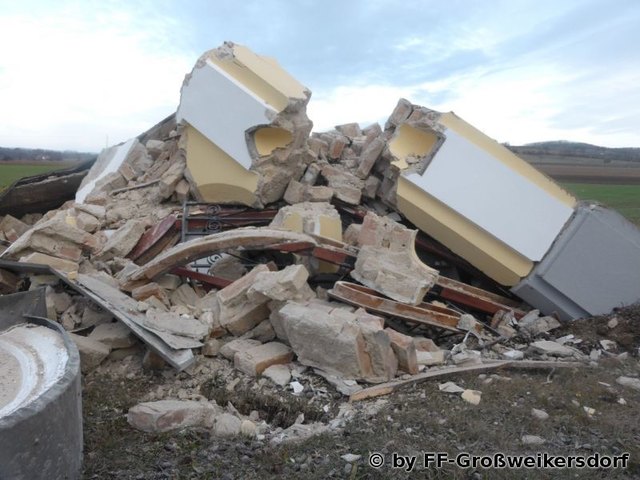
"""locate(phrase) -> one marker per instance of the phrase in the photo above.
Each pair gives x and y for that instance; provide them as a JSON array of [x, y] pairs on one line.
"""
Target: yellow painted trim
[[267, 139], [262, 75], [409, 141], [218, 177], [485, 252], [508, 158]]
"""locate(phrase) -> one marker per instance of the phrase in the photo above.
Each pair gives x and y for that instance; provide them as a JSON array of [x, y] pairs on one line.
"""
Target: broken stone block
[[211, 347], [371, 185], [255, 360], [513, 355], [351, 130], [235, 311], [12, 228], [539, 325], [92, 353], [286, 284], [170, 178], [143, 292], [155, 147], [183, 325], [380, 354], [61, 301], [405, 351], [168, 415], [369, 157], [184, 295], [71, 318], [278, 374], [263, 332], [297, 193], [96, 211], [227, 425], [336, 146], [236, 292], [400, 113], [229, 349], [122, 240], [312, 218], [425, 344], [467, 357], [539, 414], [629, 382], [429, 358], [57, 236], [87, 222], [228, 267], [387, 261], [467, 322], [346, 186], [339, 343], [60, 264], [182, 191], [554, 349], [472, 396], [115, 335]]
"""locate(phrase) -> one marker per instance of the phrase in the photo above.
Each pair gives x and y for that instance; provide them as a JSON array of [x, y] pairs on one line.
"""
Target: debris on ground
[[256, 257]]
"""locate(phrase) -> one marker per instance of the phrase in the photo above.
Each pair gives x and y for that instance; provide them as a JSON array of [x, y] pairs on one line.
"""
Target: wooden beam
[[390, 387]]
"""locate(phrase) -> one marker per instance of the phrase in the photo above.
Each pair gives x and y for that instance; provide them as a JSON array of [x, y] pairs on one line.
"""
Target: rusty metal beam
[[476, 297], [183, 253], [371, 301], [152, 236]]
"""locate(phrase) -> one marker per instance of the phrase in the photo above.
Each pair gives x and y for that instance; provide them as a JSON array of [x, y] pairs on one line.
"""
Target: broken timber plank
[[371, 301], [195, 249], [390, 387], [124, 309]]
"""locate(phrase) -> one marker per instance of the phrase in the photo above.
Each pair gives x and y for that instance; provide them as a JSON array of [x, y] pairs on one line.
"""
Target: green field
[[624, 198], [10, 172]]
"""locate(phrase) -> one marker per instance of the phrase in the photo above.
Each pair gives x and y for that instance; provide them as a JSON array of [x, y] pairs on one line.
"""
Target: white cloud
[[85, 76]]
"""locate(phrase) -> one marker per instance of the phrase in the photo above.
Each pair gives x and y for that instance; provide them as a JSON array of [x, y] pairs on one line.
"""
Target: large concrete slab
[[593, 266], [474, 195]]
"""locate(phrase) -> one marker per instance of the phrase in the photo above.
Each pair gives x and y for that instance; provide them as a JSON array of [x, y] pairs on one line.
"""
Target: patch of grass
[[10, 172], [624, 198]]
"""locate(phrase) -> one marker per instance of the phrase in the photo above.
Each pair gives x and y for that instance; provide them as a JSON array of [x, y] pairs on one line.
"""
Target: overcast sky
[[81, 74]]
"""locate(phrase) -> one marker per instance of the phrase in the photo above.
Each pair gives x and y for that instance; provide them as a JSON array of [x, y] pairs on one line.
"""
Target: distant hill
[[582, 163], [37, 155], [562, 151]]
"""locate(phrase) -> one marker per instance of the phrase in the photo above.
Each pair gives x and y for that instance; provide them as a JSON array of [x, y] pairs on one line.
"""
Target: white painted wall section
[[222, 110], [112, 166], [494, 197]]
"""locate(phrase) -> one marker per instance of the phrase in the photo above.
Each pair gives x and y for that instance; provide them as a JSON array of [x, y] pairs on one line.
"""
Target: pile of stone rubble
[[322, 252]]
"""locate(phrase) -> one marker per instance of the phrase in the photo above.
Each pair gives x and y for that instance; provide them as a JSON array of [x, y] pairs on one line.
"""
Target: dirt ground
[[411, 422]]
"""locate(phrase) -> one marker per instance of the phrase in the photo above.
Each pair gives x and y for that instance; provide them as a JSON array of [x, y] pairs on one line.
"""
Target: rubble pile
[[326, 254]]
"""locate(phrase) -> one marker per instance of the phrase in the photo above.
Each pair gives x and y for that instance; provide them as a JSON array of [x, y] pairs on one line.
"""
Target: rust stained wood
[[371, 301], [152, 236], [197, 248], [476, 297], [390, 387]]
